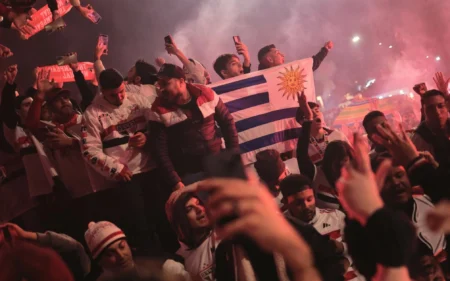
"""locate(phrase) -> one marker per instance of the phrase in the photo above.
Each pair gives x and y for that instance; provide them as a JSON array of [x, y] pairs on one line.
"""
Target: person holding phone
[[269, 56], [229, 65], [195, 71]]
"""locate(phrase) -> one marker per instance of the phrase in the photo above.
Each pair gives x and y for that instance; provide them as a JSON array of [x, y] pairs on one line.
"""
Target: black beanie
[[110, 79]]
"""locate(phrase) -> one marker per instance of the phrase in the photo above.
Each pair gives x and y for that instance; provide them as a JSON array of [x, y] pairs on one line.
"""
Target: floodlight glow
[[356, 39]]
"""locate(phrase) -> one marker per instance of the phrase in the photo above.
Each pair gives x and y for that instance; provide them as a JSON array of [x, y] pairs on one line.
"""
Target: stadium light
[[390, 47], [356, 39], [438, 58]]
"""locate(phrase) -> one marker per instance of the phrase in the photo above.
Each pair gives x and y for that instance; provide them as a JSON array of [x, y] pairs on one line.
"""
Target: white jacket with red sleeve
[[105, 133]]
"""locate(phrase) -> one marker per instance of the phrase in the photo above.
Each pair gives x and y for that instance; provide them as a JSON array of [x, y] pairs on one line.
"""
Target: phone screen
[[94, 17], [223, 165], [168, 39], [104, 39], [236, 39]]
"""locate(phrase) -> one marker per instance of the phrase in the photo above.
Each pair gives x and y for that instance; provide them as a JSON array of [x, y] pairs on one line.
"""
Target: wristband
[[414, 161]]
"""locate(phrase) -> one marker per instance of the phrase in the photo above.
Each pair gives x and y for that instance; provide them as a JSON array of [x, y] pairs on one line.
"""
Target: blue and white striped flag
[[264, 106]]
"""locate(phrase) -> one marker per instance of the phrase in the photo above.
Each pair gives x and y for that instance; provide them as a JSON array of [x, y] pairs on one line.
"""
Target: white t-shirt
[[199, 262], [332, 223]]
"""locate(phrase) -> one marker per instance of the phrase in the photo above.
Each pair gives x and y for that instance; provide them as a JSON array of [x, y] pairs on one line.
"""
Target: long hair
[[335, 152], [180, 222]]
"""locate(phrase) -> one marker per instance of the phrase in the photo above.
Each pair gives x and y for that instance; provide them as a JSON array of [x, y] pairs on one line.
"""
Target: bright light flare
[[356, 39], [390, 47], [438, 58]]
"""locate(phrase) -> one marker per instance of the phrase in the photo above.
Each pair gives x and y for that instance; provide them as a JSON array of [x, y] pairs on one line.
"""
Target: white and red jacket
[[79, 178], [332, 223], [435, 241], [106, 131]]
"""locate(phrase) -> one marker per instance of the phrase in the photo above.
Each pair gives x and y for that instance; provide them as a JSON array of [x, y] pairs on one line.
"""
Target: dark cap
[[51, 95], [18, 101], [264, 50], [269, 165], [110, 79], [168, 70]]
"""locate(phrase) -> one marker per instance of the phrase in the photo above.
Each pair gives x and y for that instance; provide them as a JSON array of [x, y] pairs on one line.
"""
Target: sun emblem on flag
[[292, 82]]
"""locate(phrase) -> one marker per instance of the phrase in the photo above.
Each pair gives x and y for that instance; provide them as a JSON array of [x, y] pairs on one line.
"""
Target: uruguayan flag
[[264, 105]]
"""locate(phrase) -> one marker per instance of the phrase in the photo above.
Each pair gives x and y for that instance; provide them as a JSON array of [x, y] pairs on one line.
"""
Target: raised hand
[[85, 11], [21, 21], [441, 82], [303, 103], [5, 52], [400, 147], [242, 50], [100, 50], [357, 187], [329, 45], [10, 74], [44, 84], [172, 49]]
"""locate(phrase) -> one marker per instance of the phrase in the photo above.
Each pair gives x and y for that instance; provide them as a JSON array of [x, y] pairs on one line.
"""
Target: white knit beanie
[[100, 235]]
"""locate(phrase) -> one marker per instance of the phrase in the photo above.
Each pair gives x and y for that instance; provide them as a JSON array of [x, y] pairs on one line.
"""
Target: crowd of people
[[115, 187]]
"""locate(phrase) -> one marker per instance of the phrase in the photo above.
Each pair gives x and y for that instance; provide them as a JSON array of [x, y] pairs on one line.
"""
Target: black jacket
[[181, 147]]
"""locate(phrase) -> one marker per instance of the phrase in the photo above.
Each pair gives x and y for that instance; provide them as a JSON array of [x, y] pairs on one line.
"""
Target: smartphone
[[223, 165], [104, 39], [168, 39], [93, 16], [420, 88], [66, 60], [236, 39]]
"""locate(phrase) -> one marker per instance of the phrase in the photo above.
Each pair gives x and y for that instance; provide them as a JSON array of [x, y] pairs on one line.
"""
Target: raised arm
[[305, 164], [321, 55], [98, 64], [43, 84], [87, 95]]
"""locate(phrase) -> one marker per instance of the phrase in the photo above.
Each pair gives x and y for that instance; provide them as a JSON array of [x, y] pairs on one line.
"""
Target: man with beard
[[397, 193], [188, 112], [299, 198], [434, 133], [140, 78]]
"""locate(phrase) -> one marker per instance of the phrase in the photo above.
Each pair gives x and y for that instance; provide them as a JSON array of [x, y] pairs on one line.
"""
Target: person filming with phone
[[194, 70], [229, 65]]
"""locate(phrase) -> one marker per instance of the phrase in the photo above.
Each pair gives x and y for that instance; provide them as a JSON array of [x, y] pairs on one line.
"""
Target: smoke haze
[[203, 29]]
